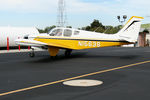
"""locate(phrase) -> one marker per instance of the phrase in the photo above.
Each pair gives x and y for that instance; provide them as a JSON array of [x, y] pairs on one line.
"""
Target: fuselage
[[79, 39]]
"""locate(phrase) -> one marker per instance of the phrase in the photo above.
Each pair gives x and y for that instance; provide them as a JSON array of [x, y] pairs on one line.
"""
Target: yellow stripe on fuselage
[[78, 43]]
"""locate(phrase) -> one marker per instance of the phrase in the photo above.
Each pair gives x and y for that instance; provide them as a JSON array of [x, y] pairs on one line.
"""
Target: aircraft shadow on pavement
[[61, 57], [75, 55]]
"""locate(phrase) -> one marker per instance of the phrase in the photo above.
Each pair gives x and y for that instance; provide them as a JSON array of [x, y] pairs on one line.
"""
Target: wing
[[26, 42], [34, 43]]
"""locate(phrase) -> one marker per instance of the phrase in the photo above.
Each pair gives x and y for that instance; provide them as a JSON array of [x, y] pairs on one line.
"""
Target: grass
[[146, 26]]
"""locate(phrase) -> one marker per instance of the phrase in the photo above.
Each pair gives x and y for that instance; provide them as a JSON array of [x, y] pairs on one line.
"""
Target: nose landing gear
[[32, 54]]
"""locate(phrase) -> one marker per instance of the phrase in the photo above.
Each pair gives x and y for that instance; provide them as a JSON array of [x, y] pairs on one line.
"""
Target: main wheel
[[53, 57], [68, 52]]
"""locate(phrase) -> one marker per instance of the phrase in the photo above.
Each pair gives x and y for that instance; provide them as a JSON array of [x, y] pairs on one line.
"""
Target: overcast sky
[[42, 13]]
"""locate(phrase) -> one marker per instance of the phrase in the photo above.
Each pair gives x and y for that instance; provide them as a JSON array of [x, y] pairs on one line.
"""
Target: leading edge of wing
[[26, 42]]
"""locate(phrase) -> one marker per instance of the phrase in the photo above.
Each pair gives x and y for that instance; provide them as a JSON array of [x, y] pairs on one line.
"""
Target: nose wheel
[[68, 53], [32, 54]]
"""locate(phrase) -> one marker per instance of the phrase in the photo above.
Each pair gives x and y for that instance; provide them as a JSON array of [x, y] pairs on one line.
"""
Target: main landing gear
[[52, 52], [68, 52], [32, 54]]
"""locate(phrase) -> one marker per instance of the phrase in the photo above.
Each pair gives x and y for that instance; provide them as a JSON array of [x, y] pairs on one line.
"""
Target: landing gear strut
[[32, 54], [68, 52]]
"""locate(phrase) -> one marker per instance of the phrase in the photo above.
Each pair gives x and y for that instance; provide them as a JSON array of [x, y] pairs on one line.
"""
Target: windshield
[[56, 32]]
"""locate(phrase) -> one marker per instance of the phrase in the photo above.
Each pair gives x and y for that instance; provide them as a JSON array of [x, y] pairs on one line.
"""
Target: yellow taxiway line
[[81, 76]]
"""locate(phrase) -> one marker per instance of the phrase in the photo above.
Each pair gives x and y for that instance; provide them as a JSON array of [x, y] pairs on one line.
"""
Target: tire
[[68, 53], [53, 57], [31, 54]]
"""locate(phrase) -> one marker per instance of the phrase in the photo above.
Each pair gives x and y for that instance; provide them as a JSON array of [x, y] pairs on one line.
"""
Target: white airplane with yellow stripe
[[74, 39]]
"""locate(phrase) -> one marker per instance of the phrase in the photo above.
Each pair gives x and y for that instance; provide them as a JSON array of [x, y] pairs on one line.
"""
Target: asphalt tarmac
[[125, 73]]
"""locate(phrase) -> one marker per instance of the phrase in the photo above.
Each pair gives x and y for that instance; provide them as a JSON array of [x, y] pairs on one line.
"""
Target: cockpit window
[[56, 32], [76, 32], [67, 33]]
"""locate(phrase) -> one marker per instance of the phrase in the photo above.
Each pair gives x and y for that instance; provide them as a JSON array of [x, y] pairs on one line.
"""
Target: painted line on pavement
[[77, 77]]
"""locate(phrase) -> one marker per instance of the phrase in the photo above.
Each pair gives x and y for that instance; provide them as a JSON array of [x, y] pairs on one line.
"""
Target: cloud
[[48, 6], [84, 7], [28, 6], [112, 7]]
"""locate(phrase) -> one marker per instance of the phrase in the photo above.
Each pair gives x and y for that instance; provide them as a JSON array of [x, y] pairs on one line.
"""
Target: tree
[[96, 23], [88, 28], [47, 29], [112, 30], [41, 31], [69, 26], [97, 26]]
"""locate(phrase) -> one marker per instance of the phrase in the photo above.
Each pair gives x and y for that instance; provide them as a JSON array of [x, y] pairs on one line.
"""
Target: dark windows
[[67, 32], [76, 32]]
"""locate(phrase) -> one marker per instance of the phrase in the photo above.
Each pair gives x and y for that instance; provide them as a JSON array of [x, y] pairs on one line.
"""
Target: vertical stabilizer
[[131, 29]]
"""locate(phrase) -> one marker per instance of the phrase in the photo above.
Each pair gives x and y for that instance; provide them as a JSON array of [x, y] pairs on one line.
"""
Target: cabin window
[[57, 32], [76, 32], [67, 33]]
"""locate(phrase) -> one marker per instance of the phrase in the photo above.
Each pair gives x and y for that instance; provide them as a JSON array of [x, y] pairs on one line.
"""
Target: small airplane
[[74, 39]]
